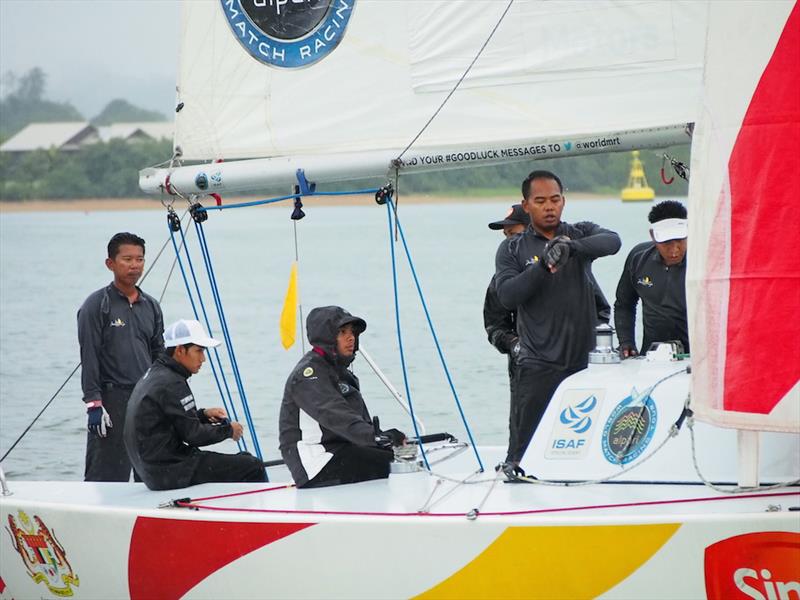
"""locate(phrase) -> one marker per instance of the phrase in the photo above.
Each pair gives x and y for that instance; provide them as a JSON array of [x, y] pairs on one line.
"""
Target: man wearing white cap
[[655, 273], [164, 427]]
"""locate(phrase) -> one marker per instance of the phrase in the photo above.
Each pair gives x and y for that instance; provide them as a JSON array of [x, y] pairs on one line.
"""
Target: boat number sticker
[[288, 33], [43, 556], [629, 428], [575, 425]]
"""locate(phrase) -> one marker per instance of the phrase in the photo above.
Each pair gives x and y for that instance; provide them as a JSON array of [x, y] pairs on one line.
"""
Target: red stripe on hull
[[168, 557]]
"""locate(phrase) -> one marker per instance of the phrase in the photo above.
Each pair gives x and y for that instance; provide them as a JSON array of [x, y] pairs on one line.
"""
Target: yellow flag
[[288, 323]]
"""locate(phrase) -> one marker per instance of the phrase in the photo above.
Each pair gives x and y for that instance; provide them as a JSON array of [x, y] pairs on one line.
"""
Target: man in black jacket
[[164, 427], [326, 434], [545, 274], [500, 322], [119, 332], [655, 272]]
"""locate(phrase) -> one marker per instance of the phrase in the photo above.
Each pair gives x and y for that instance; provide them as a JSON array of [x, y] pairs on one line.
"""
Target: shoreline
[[89, 205]]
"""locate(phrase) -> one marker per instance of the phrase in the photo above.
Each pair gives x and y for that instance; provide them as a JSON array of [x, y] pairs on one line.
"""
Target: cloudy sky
[[95, 50]]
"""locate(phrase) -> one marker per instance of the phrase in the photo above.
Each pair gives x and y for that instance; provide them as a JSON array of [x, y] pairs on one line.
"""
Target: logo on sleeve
[[344, 388], [188, 403], [308, 372]]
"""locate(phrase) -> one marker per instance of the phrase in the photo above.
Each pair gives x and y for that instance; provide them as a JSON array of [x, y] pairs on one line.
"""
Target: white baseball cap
[[188, 332], [670, 229]]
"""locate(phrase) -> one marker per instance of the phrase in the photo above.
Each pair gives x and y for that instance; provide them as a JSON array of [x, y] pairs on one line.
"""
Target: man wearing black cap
[[326, 434], [655, 272], [501, 323], [545, 274]]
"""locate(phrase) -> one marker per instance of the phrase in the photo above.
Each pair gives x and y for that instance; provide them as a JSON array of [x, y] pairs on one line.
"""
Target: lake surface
[[50, 262]]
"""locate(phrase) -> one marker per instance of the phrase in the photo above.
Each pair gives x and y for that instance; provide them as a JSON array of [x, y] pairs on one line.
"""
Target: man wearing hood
[[326, 434]]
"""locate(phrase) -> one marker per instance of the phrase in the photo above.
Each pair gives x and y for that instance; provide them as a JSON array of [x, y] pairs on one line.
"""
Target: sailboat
[[657, 477]]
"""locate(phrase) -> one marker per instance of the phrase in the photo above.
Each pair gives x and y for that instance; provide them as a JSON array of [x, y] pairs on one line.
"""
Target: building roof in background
[[74, 134], [64, 136], [133, 131]]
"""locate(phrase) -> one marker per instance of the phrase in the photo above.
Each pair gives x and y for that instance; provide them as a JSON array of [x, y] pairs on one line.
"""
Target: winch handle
[[433, 437]]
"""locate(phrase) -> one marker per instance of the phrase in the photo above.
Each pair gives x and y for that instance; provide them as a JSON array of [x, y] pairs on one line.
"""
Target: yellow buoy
[[637, 189]]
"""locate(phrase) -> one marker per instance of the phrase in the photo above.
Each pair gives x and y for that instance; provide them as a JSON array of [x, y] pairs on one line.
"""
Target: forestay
[[552, 70], [744, 252]]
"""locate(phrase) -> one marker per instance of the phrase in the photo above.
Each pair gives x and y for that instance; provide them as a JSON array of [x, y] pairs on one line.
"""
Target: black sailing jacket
[[322, 408], [163, 427]]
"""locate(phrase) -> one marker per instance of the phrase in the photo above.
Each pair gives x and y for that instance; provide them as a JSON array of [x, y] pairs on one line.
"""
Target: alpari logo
[[577, 417], [761, 566], [288, 33], [629, 428]]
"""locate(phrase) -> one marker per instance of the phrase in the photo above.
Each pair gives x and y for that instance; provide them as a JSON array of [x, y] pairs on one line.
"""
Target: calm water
[[49, 262]]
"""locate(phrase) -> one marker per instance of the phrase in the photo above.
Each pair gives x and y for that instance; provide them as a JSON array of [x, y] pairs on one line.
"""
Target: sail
[[368, 74], [743, 279]]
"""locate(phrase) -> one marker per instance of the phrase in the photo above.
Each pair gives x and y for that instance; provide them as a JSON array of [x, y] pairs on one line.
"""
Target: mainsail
[[744, 247], [555, 79]]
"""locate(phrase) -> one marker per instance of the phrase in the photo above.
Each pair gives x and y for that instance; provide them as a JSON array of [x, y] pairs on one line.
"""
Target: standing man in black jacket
[[165, 428], [501, 323], [655, 272], [545, 274], [119, 332], [326, 434]]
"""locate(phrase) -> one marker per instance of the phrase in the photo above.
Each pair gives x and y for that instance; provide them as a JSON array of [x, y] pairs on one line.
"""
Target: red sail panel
[[763, 330]]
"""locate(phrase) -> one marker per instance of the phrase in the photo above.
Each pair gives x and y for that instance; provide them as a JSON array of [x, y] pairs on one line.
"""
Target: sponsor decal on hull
[[43, 556], [761, 566], [573, 430], [629, 428]]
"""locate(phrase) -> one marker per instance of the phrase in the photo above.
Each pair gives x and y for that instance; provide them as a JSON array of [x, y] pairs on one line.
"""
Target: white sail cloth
[[743, 280], [552, 69]]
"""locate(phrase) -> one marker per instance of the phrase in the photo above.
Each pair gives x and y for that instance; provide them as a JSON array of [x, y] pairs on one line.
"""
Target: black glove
[[384, 442], [99, 421], [396, 436], [627, 350], [556, 252]]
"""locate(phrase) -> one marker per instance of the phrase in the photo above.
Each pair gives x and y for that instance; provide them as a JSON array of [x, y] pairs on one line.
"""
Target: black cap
[[515, 216]]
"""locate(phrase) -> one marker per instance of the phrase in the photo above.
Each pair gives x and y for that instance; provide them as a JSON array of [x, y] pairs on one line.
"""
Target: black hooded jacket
[[322, 409], [163, 427]]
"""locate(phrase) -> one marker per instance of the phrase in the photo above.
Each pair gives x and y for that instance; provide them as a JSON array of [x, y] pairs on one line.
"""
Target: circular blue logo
[[288, 33], [629, 428], [201, 181]]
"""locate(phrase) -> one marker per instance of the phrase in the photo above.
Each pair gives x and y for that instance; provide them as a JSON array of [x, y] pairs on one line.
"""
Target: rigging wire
[[69, 377], [398, 160], [390, 207], [226, 333], [229, 405]]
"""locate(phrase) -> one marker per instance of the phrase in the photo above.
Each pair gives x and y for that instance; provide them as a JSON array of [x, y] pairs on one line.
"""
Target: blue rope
[[229, 406], [226, 333], [196, 316], [282, 198], [390, 204], [400, 338]]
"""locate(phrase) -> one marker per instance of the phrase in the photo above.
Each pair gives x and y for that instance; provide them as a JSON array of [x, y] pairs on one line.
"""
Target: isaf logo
[[43, 556], [645, 281], [573, 429], [288, 33]]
